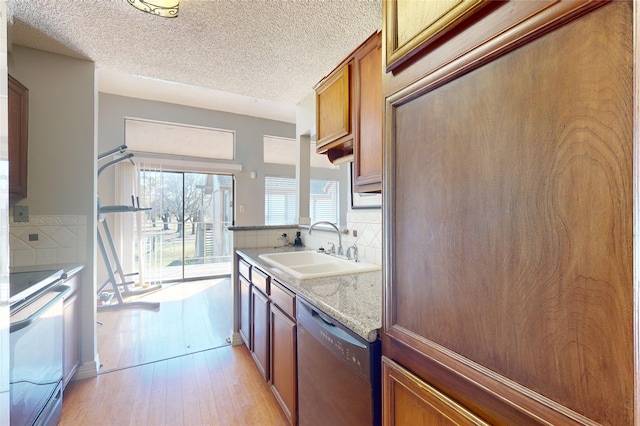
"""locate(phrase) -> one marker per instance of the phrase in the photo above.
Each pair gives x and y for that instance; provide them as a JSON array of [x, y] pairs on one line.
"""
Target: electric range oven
[[36, 348]]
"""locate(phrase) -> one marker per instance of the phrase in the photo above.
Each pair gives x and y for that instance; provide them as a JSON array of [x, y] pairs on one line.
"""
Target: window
[[183, 232], [280, 201], [179, 139], [323, 198], [284, 151]]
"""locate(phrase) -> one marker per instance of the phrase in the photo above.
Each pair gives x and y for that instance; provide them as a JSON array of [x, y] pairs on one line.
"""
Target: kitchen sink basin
[[310, 264]]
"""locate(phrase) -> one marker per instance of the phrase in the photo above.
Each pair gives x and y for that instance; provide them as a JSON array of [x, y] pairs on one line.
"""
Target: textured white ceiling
[[262, 55]]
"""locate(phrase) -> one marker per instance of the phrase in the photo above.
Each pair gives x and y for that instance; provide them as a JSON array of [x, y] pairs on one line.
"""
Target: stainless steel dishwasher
[[338, 372]]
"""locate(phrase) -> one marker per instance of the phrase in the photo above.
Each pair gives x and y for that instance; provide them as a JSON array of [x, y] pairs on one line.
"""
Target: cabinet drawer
[[261, 280], [244, 268], [285, 299]]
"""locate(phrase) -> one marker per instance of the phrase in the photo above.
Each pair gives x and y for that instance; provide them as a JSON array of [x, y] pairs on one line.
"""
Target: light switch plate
[[21, 213]]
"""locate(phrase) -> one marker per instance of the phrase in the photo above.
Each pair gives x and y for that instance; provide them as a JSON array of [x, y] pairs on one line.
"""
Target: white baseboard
[[88, 370], [236, 340]]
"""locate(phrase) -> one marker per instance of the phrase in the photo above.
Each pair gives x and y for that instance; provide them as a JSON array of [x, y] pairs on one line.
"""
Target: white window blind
[[323, 198], [280, 201]]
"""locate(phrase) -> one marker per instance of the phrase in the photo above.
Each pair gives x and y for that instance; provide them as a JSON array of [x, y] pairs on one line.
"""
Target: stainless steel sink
[[309, 264]]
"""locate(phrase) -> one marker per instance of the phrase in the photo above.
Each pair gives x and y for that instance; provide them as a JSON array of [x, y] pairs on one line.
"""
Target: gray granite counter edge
[[260, 227], [367, 328], [70, 269]]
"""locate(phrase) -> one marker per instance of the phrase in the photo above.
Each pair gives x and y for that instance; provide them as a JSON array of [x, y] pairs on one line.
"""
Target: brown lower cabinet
[[284, 380], [260, 327], [410, 401], [268, 328], [245, 312]]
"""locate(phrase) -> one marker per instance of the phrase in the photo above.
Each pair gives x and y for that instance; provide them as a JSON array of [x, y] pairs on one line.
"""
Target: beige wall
[[61, 157]]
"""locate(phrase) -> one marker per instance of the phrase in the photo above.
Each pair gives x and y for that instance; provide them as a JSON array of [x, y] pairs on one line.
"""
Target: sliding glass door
[[183, 233]]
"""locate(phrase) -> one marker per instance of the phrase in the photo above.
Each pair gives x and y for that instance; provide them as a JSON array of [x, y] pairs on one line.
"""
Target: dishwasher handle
[[328, 325]]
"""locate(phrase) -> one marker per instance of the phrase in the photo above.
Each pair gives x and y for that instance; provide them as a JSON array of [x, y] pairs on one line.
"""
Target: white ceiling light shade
[[164, 8]]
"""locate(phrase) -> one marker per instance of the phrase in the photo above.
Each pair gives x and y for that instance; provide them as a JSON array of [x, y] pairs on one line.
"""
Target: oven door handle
[[19, 325]]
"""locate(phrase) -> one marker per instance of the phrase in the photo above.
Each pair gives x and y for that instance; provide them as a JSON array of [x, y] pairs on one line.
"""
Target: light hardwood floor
[[175, 377], [215, 387], [193, 316]]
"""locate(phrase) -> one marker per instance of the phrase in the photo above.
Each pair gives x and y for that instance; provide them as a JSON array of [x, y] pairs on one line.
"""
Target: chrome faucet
[[324, 222], [353, 249], [332, 250]]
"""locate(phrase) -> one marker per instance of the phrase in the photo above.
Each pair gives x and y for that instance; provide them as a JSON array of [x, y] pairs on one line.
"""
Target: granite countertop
[[355, 300]]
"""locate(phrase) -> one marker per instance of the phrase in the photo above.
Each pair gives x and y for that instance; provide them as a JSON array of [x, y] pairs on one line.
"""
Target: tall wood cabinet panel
[[18, 104], [367, 146], [509, 257]]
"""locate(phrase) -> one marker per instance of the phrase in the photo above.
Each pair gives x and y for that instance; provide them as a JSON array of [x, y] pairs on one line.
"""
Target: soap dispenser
[[298, 241]]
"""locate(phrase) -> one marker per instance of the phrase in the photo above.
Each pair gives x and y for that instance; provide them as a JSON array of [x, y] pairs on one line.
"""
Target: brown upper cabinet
[[333, 110], [349, 114], [18, 127], [410, 26]]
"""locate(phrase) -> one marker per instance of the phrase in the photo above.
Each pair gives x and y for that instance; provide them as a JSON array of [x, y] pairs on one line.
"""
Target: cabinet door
[[18, 125], [412, 25], [284, 383], [333, 108], [245, 311], [407, 400], [71, 336], [367, 146], [260, 331], [502, 237], [244, 268]]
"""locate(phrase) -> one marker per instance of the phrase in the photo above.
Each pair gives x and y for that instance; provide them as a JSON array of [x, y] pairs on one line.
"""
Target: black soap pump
[[298, 240]]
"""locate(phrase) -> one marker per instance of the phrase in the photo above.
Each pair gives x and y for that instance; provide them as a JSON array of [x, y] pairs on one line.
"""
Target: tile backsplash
[[45, 240], [272, 237], [365, 231], [366, 224]]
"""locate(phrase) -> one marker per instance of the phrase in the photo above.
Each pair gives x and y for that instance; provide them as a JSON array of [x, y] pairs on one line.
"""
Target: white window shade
[[319, 160], [279, 150], [177, 139], [283, 151]]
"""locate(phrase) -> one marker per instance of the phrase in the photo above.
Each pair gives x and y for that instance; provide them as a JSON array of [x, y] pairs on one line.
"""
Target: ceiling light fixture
[[164, 8]]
